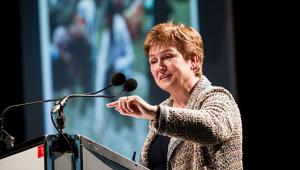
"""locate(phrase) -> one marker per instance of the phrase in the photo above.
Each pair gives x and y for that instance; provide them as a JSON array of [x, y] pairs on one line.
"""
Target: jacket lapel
[[202, 84], [144, 159]]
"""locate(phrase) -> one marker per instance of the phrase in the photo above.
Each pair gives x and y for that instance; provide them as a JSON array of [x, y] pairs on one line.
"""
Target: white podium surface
[[51, 152], [31, 159]]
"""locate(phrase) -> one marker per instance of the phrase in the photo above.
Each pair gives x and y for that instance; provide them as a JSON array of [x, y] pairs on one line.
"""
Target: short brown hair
[[186, 39]]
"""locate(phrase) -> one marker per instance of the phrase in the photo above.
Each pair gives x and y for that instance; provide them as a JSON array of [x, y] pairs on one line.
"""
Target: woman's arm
[[210, 121]]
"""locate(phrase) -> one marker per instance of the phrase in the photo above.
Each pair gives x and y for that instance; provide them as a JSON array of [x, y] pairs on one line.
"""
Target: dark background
[[259, 81]]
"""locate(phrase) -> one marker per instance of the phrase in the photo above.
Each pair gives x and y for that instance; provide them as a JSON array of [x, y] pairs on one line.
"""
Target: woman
[[199, 126]]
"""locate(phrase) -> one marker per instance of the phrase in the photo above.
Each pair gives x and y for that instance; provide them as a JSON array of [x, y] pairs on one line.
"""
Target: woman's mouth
[[164, 76]]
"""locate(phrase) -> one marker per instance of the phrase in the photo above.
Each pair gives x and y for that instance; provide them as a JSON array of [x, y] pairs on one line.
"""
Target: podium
[[52, 152]]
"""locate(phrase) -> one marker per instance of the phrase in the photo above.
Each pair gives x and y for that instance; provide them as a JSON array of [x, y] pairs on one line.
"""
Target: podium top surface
[[81, 142], [23, 146], [109, 154]]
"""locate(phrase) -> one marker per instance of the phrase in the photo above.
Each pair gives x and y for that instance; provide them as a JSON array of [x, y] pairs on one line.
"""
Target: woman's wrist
[[157, 113]]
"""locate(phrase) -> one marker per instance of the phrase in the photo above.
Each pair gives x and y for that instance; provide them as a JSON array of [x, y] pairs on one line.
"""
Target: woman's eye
[[153, 61], [168, 56]]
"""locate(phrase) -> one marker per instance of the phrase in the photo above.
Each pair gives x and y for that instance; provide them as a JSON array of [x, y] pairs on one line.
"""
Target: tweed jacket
[[206, 134]]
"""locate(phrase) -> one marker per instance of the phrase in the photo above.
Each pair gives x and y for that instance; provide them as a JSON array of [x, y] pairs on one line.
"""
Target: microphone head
[[118, 79], [130, 85]]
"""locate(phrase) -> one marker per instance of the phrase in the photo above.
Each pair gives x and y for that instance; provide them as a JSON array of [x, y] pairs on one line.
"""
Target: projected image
[[89, 42]]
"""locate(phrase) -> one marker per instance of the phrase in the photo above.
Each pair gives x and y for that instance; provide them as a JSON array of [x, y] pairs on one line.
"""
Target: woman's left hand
[[134, 106]]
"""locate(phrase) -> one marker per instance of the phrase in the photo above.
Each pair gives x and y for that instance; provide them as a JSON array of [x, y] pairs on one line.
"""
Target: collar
[[200, 86]]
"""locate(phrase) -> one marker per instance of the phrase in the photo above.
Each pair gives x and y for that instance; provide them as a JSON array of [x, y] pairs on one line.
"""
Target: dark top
[[158, 153]]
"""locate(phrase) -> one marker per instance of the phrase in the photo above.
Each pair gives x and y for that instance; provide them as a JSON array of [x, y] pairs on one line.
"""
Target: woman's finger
[[124, 104], [121, 105], [122, 112], [130, 104], [112, 104]]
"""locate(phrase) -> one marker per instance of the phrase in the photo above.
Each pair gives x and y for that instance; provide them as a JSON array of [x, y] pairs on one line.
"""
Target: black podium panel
[[52, 152]]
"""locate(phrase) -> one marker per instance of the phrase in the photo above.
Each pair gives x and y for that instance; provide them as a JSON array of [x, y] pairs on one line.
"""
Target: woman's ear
[[194, 61]]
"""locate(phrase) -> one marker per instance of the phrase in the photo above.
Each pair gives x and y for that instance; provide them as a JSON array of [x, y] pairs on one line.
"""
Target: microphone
[[118, 79], [128, 86]]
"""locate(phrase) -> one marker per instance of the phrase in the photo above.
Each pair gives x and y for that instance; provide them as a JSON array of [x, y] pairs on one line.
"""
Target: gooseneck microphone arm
[[93, 93], [118, 79], [60, 104], [128, 86], [6, 140], [52, 100], [22, 104]]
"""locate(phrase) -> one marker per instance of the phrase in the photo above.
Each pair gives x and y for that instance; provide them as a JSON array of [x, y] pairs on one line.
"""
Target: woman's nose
[[162, 66]]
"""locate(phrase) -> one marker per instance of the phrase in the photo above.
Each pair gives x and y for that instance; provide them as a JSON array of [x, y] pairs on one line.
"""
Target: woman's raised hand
[[134, 106]]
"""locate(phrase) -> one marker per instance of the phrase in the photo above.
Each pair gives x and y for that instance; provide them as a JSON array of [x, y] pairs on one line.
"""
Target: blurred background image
[[84, 43]]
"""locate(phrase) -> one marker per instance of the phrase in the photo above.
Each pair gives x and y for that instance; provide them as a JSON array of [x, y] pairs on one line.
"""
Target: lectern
[[52, 152]]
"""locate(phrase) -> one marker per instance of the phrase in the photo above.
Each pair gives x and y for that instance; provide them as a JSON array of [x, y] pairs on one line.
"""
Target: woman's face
[[169, 69]]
